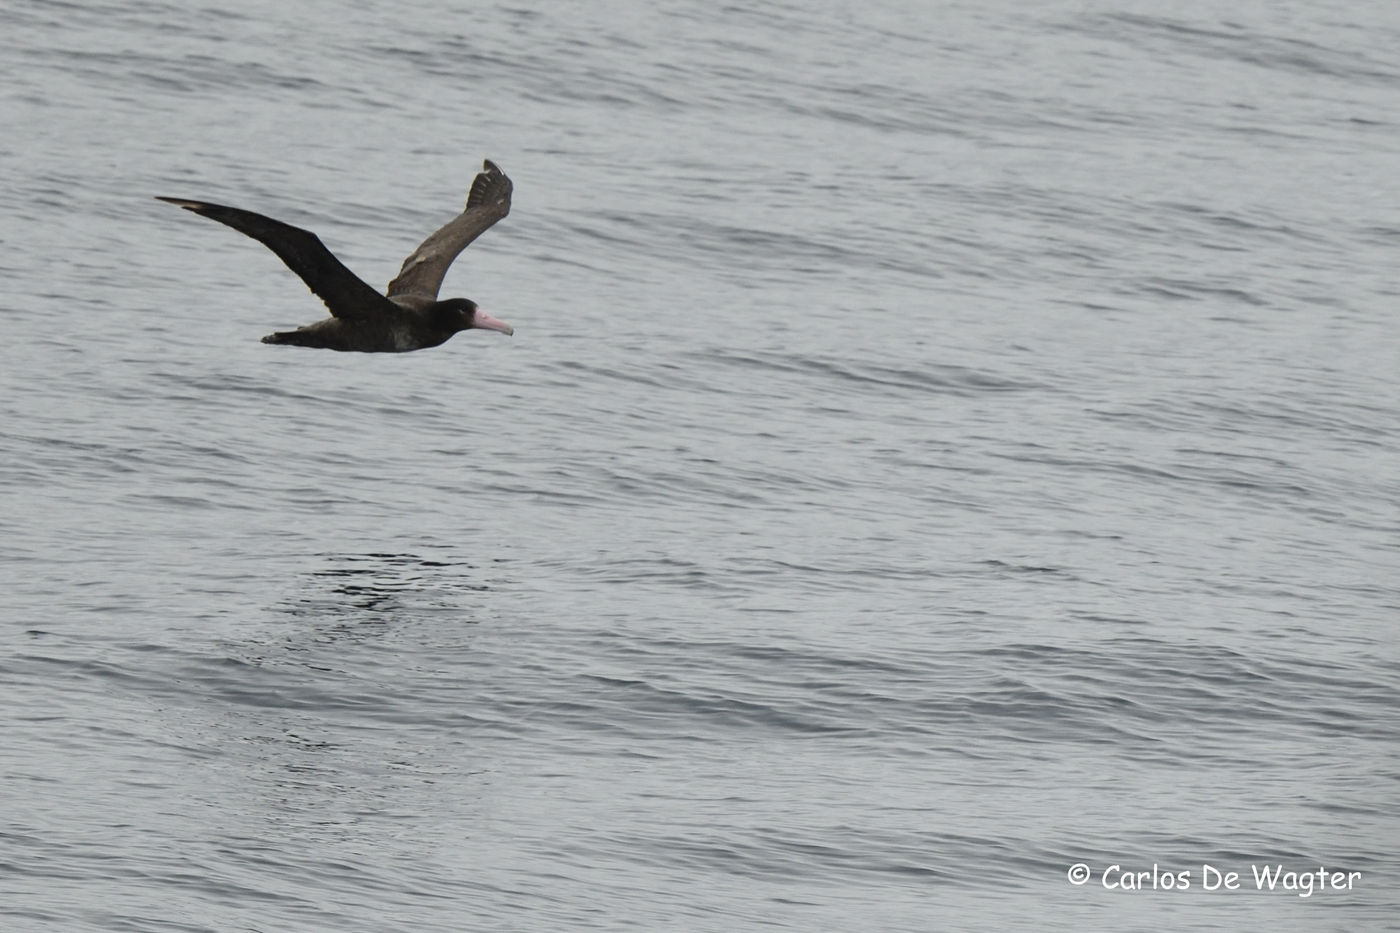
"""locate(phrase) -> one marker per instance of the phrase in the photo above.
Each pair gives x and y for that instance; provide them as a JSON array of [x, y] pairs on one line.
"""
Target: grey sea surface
[[942, 445]]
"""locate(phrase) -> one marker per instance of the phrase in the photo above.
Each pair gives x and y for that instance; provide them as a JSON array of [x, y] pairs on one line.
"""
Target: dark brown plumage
[[409, 315]]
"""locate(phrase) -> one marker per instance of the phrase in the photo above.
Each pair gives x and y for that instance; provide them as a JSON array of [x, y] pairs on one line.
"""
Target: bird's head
[[462, 313]]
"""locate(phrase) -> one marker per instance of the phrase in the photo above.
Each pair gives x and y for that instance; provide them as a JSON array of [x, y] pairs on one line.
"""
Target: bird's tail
[[296, 338]]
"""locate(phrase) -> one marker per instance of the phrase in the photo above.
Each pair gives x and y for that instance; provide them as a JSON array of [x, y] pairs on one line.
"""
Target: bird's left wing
[[345, 293]]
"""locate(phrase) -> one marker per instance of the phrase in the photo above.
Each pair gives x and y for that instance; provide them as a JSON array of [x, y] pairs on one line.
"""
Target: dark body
[[409, 316]]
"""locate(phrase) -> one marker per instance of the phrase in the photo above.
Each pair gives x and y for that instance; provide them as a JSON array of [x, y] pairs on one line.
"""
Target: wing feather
[[345, 294], [487, 202]]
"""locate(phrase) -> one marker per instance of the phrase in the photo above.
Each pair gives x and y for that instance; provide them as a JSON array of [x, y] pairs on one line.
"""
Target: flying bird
[[409, 315]]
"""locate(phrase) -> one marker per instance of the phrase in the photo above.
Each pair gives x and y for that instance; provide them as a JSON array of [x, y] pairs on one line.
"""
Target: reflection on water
[[386, 583]]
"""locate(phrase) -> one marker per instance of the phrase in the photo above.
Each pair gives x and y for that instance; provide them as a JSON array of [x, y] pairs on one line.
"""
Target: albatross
[[408, 316]]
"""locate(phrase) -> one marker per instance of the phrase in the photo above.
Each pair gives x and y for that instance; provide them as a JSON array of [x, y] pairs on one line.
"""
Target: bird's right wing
[[345, 294], [488, 202]]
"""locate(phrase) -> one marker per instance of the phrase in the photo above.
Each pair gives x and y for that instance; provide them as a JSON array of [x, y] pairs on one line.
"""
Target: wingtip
[[491, 186]]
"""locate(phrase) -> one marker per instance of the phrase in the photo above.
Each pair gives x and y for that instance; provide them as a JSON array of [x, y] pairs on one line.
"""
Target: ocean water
[[941, 445]]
